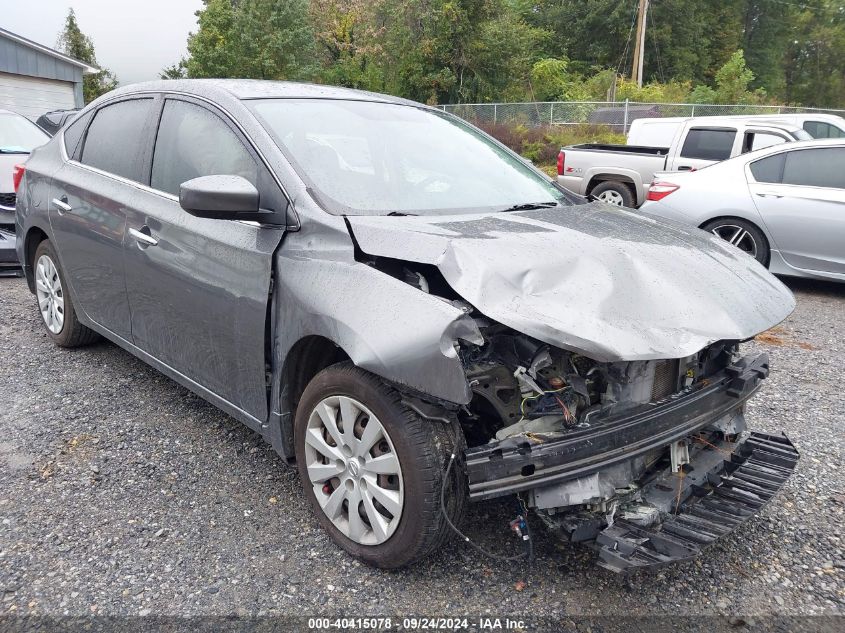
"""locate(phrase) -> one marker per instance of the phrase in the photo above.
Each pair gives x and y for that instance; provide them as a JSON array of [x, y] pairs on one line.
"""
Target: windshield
[[365, 158], [19, 135]]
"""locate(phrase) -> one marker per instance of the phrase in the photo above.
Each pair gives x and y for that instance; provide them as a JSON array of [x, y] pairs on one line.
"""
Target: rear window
[[73, 136], [708, 143], [116, 138], [819, 129], [769, 169], [815, 168]]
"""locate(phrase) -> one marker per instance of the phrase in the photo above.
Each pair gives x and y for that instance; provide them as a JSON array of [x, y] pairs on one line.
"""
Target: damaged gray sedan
[[412, 314]]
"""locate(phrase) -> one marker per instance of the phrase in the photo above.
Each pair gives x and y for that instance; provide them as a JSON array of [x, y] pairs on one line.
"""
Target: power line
[[656, 47], [628, 41]]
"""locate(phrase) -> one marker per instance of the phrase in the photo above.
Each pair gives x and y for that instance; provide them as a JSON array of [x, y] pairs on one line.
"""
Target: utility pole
[[639, 46]]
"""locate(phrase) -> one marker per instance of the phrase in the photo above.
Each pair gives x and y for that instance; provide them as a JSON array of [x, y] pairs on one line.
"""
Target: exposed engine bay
[[649, 460], [647, 456], [538, 391]]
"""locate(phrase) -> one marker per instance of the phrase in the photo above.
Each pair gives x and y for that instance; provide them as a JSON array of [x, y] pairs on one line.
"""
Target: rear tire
[[332, 474], [54, 303], [615, 193], [742, 234]]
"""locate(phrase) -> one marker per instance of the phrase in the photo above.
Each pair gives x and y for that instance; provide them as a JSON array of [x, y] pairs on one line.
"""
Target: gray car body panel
[[594, 279], [590, 278], [383, 324]]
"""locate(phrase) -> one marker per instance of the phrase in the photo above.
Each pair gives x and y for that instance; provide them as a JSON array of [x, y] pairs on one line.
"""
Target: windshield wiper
[[3, 150], [531, 206], [400, 213]]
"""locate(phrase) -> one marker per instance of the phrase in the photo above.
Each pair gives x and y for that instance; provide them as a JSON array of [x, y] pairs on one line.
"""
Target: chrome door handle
[[62, 206], [142, 238], [764, 194]]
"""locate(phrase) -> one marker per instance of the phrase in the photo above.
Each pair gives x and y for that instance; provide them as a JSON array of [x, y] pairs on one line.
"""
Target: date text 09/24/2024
[[416, 624]]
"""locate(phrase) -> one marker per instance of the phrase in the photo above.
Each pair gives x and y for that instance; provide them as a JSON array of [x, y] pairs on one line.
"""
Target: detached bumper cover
[[755, 472], [516, 464]]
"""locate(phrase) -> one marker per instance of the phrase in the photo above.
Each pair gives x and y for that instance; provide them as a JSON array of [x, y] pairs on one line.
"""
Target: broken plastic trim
[[755, 472], [516, 464]]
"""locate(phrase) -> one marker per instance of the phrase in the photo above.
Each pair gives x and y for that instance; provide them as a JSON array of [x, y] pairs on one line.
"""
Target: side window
[[708, 143], [193, 142], [759, 140], [73, 136], [116, 137], [819, 129], [815, 168], [769, 169]]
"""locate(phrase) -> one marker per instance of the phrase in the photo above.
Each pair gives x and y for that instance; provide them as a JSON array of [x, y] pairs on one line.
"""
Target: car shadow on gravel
[[832, 289]]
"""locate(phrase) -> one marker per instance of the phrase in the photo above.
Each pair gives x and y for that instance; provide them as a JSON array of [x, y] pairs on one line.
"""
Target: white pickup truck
[[621, 174]]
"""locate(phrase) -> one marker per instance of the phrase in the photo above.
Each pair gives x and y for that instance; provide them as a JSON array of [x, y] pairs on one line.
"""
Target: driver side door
[[199, 288]]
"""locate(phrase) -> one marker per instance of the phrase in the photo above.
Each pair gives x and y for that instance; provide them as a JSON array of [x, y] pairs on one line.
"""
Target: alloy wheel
[[738, 236], [354, 470], [50, 295]]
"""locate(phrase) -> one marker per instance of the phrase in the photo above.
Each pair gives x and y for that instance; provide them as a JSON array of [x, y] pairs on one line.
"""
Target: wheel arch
[[628, 180], [305, 359], [34, 236]]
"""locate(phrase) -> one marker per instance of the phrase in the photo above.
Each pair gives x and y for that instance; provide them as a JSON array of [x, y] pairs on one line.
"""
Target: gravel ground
[[122, 493]]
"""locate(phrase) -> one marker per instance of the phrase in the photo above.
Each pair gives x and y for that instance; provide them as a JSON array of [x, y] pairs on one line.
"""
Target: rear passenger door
[[92, 194], [199, 288], [800, 195]]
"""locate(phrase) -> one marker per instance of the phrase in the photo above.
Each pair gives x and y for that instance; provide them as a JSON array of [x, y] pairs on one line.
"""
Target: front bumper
[[726, 495], [518, 464]]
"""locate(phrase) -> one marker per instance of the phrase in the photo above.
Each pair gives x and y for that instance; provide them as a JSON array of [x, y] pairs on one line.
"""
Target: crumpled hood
[[595, 279]]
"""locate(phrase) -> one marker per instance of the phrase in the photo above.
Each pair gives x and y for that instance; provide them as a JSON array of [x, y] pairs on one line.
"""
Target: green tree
[[263, 39], [815, 59], [74, 43], [733, 80], [212, 49], [174, 71], [348, 43], [768, 26], [274, 39], [440, 51]]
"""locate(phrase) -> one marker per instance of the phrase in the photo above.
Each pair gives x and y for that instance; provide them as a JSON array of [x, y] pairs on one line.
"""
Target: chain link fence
[[618, 115]]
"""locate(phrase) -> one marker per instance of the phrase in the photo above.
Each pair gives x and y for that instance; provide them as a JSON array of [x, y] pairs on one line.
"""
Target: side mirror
[[220, 198]]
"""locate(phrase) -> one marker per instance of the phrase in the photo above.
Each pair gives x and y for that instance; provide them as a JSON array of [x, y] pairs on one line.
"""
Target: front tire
[[54, 303], [372, 468]]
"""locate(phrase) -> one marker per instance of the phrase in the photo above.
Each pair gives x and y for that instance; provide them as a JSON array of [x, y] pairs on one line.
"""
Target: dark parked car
[[51, 122], [411, 313]]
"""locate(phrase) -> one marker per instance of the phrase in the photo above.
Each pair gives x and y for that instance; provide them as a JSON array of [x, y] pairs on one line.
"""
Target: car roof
[[731, 120], [722, 121], [780, 147], [257, 89]]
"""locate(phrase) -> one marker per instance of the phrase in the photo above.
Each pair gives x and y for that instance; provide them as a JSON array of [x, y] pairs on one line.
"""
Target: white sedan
[[783, 205]]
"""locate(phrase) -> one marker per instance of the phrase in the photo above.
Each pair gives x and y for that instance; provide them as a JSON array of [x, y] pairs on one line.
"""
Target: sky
[[134, 39]]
